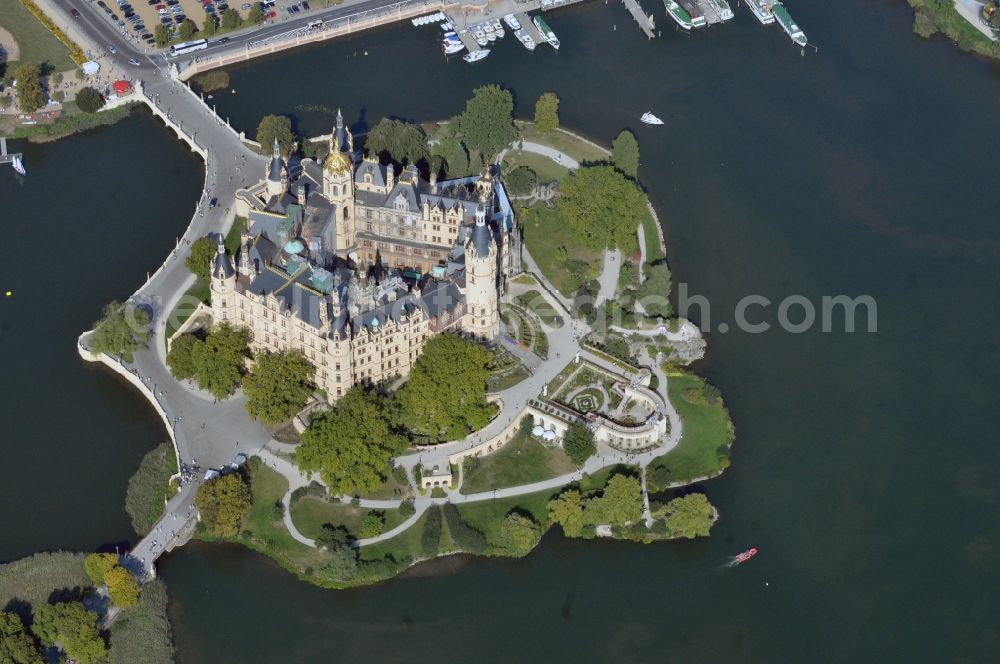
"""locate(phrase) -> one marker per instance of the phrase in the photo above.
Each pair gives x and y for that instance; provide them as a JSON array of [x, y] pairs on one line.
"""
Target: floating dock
[[6, 158], [645, 21]]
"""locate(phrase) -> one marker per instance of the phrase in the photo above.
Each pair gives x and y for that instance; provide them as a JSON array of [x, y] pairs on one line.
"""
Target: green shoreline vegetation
[[933, 16], [149, 488]]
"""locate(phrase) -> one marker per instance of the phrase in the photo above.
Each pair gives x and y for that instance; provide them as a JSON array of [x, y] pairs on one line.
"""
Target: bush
[[148, 489], [406, 509], [430, 538], [373, 524], [521, 181], [465, 536]]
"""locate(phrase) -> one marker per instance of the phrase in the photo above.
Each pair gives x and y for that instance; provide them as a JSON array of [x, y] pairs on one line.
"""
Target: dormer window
[[368, 178]]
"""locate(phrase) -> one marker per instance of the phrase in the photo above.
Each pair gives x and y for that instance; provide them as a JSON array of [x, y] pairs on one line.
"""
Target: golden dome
[[336, 163]]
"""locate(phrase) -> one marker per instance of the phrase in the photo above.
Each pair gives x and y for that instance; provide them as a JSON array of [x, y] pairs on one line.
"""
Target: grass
[[559, 256], [654, 251], [71, 123], [521, 461], [487, 515], [407, 543], [534, 301], [507, 378], [310, 514], [545, 168], [148, 488], [200, 291], [708, 431], [580, 150], [35, 42], [395, 487], [141, 634]]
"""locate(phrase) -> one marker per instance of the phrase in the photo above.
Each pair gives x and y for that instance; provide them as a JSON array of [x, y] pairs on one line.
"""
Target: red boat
[[745, 556]]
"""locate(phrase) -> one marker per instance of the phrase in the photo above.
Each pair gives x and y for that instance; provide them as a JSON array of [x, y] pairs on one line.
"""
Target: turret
[[482, 317], [223, 284], [275, 172]]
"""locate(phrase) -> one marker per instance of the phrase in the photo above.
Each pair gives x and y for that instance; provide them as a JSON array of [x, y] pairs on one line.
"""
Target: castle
[[357, 268]]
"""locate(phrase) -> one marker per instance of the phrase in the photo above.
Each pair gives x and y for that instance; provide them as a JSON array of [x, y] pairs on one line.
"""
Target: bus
[[188, 47]]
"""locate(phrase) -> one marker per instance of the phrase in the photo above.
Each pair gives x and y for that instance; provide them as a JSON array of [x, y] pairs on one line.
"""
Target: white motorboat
[[651, 119], [480, 37], [498, 28], [512, 22], [450, 48], [475, 56], [490, 34], [525, 40]]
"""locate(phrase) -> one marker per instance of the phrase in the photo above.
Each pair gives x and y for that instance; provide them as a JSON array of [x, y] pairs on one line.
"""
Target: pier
[[5, 157], [645, 21]]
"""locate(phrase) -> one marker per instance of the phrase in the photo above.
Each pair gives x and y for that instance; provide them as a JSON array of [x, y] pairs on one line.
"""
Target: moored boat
[[678, 13], [480, 37], [475, 56], [512, 22], [762, 10], [788, 24], [525, 40], [546, 32], [18, 165], [490, 34], [498, 28]]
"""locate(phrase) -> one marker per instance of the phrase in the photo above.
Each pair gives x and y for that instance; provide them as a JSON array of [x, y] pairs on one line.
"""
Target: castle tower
[[274, 181], [485, 186], [482, 315], [338, 184], [223, 285]]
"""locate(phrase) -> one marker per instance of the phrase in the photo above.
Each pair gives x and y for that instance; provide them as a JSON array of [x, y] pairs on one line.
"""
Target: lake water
[[864, 467]]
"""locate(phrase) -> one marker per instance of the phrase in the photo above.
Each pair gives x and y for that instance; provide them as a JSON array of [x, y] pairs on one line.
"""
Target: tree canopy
[[351, 444], [445, 395], [689, 516], [216, 363], [256, 14], [97, 565], [230, 19], [223, 503], [521, 181], [625, 153], [186, 29], [567, 510], [601, 208], [122, 587], [208, 25], [89, 100], [121, 328], [277, 386], [161, 34], [16, 644], [30, 95], [654, 293], [518, 534], [73, 627], [275, 126], [578, 443], [547, 112], [622, 501], [402, 142], [487, 123], [199, 261], [454, 155]]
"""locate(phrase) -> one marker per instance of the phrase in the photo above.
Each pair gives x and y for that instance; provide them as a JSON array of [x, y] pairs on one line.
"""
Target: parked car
[[134, 62], [245, 6], [100, 3], [75, 13], [112, 50], [304, 5]]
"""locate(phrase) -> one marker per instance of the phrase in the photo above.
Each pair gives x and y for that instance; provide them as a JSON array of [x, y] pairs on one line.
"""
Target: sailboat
[[18, 166], [651, 119]]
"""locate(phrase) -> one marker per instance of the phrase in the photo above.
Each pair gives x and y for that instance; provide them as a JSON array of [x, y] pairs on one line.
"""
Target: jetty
[[5, 157], [645, 21]]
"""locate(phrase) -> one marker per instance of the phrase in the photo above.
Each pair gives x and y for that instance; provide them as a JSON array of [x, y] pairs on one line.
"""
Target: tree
[[518, 534], [430, 537], [521, 181], [120, 330], [567, 510], [278, 385], [97, 565], [372, 524], [230, 19], [689, 516], [455, 156], [351, 444], [601, 208], [654, 293], [275, 126], [621, 502], [186, 29], [162, 34], [547, 112], [223, 502], [75, 629], [401, 142], [256, 14], [218, 361], [199, 260], [208, 25], [89, 100], [625, 153], [487, 124], [122, 587], [16, 644], [578, 443], [445, 396], [181, 358], [30, 95], [333, 537]]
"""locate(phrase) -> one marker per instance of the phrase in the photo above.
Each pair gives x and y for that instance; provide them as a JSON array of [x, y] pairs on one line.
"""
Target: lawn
[[582, 151], [653, 250], [487, 515], [534, 301], [199, 291], [310, 513], [559, 256], [36, 43], [521, 461], [703, 448], [507, 378], [407, 543], [545, 168], [395, 487]]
